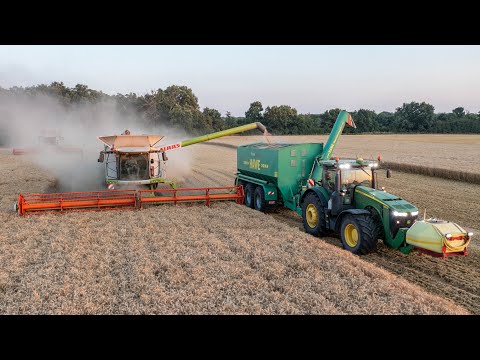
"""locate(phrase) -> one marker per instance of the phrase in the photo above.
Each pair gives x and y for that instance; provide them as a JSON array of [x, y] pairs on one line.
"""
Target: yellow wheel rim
[[351, 235], [311, 215]]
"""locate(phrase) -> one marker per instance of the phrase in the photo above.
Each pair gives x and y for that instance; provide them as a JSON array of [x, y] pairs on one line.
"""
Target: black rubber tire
[[320, 228], [379, 231], [259, 199], [249, 195], [365, 226]]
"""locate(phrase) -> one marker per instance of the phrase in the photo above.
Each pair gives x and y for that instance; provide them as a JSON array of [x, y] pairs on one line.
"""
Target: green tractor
[[331, 195], [346, 200]]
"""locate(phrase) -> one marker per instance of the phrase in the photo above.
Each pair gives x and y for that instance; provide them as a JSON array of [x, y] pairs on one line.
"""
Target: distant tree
[[385, 121], [254, 112], [365, 120], [459, 112], [281, 120], [214, 119], [230, 121], [327, 119], [414, 117]]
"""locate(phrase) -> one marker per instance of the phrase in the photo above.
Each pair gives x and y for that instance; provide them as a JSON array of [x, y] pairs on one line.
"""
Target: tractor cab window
[[329, 179], [356, 176]]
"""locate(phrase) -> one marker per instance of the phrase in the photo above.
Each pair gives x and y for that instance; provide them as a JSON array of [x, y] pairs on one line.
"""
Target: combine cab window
[[134, 167]]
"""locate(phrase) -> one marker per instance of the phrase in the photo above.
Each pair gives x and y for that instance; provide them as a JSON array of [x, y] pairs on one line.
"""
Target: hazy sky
[[309, 78]]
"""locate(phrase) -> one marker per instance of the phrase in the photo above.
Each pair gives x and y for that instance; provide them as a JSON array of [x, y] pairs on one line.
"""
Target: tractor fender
[[321, 193], [340, 216]]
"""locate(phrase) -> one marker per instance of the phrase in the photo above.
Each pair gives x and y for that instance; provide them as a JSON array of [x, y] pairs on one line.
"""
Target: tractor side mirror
[[389, 173], [102, 157], [164, 156]]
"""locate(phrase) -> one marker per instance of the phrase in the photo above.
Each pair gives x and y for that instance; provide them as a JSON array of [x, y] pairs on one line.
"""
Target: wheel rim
[[311, 214], [351, 235]]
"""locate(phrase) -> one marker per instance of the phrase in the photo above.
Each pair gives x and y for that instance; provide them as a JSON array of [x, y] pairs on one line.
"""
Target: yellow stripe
[[371, 197], [424, 242]]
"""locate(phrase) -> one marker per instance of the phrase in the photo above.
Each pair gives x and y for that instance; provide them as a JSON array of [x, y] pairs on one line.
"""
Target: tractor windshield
[[356, 176]]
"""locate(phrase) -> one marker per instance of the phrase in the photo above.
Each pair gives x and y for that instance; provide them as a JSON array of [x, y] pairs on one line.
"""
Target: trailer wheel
[[259, 199], [249, 195], [313, 215], [358, 234]]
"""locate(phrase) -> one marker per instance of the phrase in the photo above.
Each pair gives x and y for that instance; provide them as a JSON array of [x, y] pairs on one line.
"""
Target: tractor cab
[[342, 176]]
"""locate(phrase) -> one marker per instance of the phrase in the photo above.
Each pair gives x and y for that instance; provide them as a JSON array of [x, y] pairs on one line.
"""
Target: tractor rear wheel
[[249, 195], [313, 215], [358, 234], [259, 199]]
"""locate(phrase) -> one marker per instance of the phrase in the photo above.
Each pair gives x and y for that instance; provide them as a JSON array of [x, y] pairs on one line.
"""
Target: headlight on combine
[[470, 234], [414, 213], [345, 166], [373, 165], [396, 213]]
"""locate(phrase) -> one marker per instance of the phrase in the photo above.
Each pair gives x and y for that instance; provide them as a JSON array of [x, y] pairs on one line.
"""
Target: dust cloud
[[25, 121]]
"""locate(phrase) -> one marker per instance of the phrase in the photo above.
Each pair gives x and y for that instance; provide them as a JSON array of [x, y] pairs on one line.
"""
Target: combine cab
[[132, 160]]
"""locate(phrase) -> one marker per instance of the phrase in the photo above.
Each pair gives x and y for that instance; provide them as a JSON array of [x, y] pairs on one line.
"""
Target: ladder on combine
[[29, 204]]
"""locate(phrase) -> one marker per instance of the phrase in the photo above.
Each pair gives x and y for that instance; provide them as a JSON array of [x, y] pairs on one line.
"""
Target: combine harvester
[[49, 140], [133, 161], [332, 195]]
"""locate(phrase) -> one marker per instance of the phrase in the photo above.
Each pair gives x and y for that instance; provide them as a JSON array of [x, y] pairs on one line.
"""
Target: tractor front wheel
[[313, 215], [249, 195], [358, 234]]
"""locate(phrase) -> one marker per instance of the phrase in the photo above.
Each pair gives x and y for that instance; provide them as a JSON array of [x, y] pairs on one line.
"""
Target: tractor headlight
[[396, 213], [344, 166], [470, 234], [448, 236], [374, 165], [414, 213]]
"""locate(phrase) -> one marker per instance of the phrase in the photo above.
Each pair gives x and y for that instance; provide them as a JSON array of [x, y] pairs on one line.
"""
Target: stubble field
[[227, 259]]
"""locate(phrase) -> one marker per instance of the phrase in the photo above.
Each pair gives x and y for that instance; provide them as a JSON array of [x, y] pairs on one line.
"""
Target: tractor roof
[[353, 162]]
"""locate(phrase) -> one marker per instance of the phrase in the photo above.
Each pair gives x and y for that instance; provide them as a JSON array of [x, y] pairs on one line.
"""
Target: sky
[[311, 79]]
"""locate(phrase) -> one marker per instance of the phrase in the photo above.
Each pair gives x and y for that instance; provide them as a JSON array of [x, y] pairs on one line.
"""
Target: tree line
[[178, 107]]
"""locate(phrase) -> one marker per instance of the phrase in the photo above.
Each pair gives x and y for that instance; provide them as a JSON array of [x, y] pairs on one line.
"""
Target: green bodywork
[[277, 166], [291, 171], [385, 205]]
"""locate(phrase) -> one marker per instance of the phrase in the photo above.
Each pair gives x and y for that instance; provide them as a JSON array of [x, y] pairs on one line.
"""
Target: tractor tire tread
[[321, 229], [367, 228]]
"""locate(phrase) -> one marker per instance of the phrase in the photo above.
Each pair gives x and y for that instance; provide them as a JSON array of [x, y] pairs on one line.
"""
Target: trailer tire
[[358, 234], [313, 215], [249, 195], [259, 199]]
